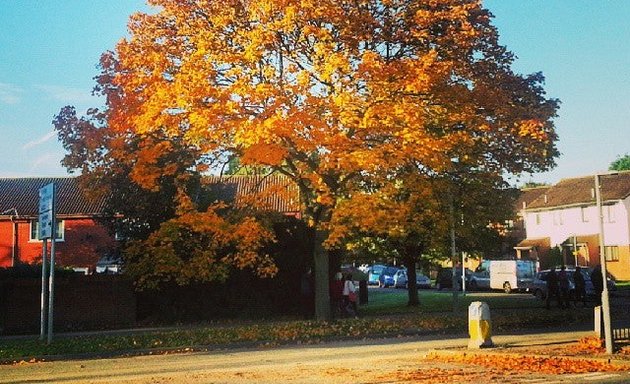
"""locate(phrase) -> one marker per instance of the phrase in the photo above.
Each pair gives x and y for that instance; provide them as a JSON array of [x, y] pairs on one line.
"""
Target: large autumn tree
[[327, 92]]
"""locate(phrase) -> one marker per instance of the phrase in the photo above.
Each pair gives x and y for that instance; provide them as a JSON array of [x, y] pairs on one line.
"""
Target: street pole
[[44, 295], [454, 278], [51, 285], [602, 261], [463, 273]]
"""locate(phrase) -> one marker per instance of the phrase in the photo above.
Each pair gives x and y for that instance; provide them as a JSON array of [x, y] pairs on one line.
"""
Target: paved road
[[370, 361]]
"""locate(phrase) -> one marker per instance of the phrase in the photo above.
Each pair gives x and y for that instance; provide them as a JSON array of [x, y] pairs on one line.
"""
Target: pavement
[[403, 359]]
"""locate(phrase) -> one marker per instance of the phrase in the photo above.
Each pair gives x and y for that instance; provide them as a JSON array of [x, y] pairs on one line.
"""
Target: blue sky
[[49, 51]]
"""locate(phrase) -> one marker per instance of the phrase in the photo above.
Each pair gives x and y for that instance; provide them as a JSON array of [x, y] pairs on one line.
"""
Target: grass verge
[[386, 316]]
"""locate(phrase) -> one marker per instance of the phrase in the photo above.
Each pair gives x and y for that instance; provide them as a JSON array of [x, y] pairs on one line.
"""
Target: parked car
[[374, 272], [539, 287], [386, 279], [444, 277], [506, 275], [109, 264], [401, 281]]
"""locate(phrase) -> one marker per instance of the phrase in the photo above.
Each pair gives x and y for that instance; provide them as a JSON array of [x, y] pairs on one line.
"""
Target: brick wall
[[81, 303]]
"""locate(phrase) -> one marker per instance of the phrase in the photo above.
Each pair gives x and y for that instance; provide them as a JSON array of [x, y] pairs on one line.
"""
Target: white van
[[507, 275]]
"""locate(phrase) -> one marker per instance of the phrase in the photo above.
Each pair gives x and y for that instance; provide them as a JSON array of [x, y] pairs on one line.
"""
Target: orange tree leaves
[[332, 88], [199, 246], [329, 92], [533, 363]]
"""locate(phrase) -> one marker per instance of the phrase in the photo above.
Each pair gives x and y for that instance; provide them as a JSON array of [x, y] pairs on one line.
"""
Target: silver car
[[400, 280]]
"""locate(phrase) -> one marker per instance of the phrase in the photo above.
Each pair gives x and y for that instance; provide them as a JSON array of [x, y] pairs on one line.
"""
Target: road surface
[[368, 361]]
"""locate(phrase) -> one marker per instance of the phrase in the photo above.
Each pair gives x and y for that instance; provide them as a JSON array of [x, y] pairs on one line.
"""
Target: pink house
[[565, 216]]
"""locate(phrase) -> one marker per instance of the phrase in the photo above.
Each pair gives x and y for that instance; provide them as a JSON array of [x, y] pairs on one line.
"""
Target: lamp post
[[602, 261]]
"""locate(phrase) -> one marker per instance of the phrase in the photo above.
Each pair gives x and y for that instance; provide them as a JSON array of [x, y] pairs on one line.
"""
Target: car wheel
[[507, 288], [539, 294]]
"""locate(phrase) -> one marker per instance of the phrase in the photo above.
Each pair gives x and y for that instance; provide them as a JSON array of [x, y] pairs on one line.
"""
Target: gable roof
[[22, 194], [579, 191], [528, 195], [270, 192]]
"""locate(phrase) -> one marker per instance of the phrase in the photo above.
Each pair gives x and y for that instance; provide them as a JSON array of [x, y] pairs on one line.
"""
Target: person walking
[[563, 285], [552, 286], [580, 286], [598, 283], [349, 296], [336, 295]]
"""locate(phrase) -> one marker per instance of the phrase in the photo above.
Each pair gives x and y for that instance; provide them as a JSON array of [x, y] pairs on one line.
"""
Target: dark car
[[539, 286], [386, 278], [444, 277]]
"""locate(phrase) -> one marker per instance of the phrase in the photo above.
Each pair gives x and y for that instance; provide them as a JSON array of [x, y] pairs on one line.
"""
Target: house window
[[611, 253], [557, 218], [584, 213], [537, 219], [610, 213], [59, 231]]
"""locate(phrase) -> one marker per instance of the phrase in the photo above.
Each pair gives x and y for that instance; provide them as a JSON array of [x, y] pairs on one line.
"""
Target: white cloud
[[47, 164], [10, 94], [41, 140], [66, 94]]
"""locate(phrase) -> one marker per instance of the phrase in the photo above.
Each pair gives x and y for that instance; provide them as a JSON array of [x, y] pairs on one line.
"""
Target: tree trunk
[[409, 260], [322, 298]]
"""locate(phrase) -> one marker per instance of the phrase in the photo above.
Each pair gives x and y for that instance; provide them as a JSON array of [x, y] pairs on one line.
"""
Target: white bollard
[[597, 319], [479, 326]]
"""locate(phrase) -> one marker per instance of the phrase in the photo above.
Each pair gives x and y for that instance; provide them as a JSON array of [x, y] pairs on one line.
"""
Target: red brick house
[[81, 240]]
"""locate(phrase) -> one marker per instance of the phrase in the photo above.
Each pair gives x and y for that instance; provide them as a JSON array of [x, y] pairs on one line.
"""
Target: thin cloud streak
[[39, 141], [66, 94], [10, 94]]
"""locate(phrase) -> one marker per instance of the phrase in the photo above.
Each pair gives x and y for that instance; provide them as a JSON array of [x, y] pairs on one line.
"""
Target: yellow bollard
[[479, 326]]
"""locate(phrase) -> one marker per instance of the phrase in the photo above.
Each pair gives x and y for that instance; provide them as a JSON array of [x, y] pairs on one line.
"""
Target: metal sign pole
[[51, 281], [51, 287], [47, 229], [42, 328]]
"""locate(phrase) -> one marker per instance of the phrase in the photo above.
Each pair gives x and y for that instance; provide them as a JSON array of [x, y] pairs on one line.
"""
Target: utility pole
[[454, 277], [602, 261]]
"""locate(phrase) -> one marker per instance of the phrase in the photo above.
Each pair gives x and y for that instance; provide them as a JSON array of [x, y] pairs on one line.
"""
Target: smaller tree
[[199, 247], [622, 163]]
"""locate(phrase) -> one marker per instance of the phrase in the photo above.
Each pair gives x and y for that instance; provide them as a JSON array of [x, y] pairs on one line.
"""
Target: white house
[[566, 216]]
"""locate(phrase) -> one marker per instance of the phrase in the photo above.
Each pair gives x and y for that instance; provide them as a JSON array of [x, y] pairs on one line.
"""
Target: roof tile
[[579, 190], [22, 194]]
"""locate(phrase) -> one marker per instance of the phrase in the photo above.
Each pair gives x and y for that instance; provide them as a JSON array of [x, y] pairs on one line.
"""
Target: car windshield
[[390, 271], [377, 269]]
